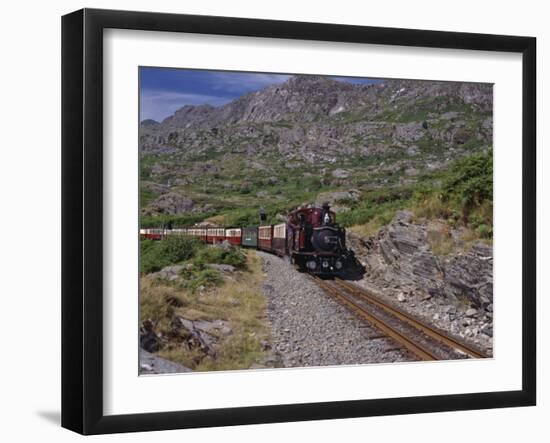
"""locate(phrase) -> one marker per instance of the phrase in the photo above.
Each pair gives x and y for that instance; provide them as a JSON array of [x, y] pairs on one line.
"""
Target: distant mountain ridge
[[315, 125], [306, 98]]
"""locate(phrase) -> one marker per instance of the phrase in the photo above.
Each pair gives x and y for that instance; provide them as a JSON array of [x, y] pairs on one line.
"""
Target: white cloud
[[244, 82], [158, 105]]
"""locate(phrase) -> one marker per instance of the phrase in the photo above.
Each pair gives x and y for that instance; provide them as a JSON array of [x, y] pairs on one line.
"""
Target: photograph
[[245, 222], [293, 220]]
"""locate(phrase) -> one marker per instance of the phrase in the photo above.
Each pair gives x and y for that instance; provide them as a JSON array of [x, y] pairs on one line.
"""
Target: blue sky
[[165, 90]]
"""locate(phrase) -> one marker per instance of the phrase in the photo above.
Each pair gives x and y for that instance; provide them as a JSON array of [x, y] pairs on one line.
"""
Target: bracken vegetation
[[461, 195]]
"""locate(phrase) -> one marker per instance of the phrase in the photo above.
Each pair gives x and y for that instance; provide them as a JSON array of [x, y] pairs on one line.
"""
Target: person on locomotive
[[327, 219]]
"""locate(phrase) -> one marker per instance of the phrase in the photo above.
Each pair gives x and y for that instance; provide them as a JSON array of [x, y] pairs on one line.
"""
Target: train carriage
[[233, 236], [265, 235], [250, 237], [152, 233], [197, 232], [215, 235], [279, 239], [178, 231], [202, 234]]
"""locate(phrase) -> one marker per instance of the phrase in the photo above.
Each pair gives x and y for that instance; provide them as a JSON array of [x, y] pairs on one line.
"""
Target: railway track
[[424, 341]]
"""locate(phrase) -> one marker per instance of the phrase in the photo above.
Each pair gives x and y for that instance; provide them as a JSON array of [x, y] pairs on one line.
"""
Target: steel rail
[[418, 350], [431, 331]]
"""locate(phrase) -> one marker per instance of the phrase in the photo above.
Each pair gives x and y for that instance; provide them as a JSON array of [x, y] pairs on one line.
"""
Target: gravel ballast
[[473, 326], [309, 328]]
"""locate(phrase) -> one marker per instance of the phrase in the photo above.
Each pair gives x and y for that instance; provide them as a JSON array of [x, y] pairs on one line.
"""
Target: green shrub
[[179, 248], [242, 217], [376, 207], [150, 263], [145, 245], [202, 277], [485, 231], [196, 276], [155, 255], [220, 255], [461, 195], [469, 183]]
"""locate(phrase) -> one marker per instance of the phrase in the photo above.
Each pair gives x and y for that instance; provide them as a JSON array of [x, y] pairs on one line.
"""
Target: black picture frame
[[82, 218]]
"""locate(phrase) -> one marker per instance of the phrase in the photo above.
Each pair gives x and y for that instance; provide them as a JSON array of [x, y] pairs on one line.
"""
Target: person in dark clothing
[[327, 219]]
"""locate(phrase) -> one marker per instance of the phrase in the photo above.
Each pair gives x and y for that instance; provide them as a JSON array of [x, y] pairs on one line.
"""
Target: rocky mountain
[[336, 133], [453, 291], [309, 98], [402, 255]]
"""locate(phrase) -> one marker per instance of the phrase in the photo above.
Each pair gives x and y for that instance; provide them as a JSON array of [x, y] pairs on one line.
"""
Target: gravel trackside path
[[309, 328]]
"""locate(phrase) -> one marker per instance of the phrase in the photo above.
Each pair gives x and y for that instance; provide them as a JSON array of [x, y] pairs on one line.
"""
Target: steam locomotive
[[311, 238], [315, 242]]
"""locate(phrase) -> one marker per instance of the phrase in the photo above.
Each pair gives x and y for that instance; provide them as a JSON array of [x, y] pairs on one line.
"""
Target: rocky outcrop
[[173, 272], [471, 275], [200, 335], [401, 256], [169, 203], [148, 339], [339, 201], [153, 364]]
